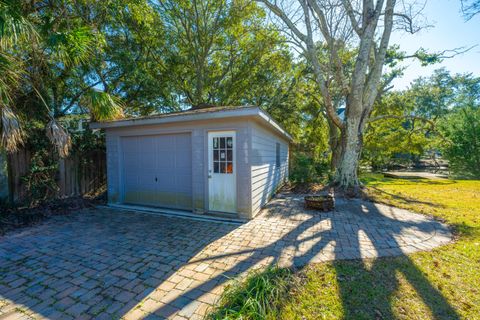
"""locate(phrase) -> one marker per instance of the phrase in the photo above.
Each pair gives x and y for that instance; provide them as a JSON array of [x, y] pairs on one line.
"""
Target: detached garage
[[219, 160]]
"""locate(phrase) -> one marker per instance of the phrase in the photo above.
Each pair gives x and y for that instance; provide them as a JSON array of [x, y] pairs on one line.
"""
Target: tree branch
[[318, 72], [351, 15], [279, 13], [402, 117]]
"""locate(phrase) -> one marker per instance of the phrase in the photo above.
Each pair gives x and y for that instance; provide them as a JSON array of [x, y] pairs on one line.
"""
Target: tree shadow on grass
[[356, 230], [409, 181], [406, 199], [370, 292]]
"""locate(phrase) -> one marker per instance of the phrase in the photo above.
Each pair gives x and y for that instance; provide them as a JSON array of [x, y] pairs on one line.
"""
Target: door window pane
[[223, 155]]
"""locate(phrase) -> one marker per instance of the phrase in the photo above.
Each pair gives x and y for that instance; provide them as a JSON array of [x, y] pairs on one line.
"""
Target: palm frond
[[11, 132], [73, 47], [103, 106], [56, 133], [59, 137], [14, 25], [10, 69]]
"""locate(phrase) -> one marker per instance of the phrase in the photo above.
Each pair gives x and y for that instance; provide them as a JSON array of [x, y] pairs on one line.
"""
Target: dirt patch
[[20, 217], [305, 188]]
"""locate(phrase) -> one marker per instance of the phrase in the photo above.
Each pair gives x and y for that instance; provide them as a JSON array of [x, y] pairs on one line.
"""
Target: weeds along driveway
[[108, 263]]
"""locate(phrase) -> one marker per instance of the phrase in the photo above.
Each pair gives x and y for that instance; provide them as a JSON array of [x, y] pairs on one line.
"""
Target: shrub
[[307, 169], [462, 150], [41, 179], [257, 297]]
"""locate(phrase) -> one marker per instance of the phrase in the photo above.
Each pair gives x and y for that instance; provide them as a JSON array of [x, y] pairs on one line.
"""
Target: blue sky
[[449, 31]]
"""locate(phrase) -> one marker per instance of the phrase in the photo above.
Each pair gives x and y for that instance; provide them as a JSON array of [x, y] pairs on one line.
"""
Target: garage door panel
[[146, 165], [183, 150], [184, 163], [157, 170], [130, 144], [165, 162], [165, 144], [166, 184]]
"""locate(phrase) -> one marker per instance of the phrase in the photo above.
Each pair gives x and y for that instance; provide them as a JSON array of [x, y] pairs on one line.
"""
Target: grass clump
[[258, 296]]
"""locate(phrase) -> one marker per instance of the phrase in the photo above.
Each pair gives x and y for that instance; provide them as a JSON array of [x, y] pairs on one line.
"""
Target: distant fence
[[76, 175]]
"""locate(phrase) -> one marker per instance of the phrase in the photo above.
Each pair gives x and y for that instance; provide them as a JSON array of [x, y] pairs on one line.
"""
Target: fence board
[[77, 175]]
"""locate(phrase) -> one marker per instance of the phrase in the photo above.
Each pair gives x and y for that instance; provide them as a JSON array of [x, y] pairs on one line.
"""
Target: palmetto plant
[[102, 105], [42, 55], [13, 28]]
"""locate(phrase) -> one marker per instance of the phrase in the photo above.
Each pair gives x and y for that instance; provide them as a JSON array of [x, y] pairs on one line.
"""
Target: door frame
[[209, 167]]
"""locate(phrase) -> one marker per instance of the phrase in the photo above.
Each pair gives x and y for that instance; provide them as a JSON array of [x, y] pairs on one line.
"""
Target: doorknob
[[156, 179]]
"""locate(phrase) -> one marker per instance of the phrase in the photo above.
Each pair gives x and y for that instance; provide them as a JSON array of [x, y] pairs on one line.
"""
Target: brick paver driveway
[[107, 263]]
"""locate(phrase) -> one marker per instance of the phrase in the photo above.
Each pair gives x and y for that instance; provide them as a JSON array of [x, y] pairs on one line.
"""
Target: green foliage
[[137, 57], [462, 130], [390, 142], [14, 26], [222, 52], [408, 121], [258, 297], [87, 140], [299, 110], [74, 46], [305, 168], [40, 180], [102, 105]]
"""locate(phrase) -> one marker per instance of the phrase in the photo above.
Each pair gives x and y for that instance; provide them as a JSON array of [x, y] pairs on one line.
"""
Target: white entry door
[[222, 172]]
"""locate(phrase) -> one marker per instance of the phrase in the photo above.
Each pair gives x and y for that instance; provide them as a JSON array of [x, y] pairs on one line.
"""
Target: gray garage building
[[213, 160]]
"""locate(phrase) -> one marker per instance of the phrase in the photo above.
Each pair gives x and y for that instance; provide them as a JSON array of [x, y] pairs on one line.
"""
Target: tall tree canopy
[[137, 57], [340, 26], [222, 52], [436, 114]]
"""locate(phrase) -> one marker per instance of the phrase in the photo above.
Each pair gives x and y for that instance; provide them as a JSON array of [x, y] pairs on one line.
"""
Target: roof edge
[[269, 119], [179, 117]]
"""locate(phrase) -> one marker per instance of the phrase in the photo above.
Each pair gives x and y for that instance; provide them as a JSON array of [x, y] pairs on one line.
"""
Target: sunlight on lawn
[[442, 284]]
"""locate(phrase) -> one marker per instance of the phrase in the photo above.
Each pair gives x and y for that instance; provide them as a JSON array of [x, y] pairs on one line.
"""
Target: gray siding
[[199, 133], [266, 177]]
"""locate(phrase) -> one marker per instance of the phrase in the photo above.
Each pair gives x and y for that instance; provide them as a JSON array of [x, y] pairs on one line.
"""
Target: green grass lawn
[[441, 284]]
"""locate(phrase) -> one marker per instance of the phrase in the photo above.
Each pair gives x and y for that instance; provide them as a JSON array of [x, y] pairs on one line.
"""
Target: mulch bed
[[305, 188], [322, 189], [20, 217]]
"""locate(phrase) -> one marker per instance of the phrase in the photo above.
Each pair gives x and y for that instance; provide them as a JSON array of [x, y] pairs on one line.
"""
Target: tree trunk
[[335, 143], [346, 174]]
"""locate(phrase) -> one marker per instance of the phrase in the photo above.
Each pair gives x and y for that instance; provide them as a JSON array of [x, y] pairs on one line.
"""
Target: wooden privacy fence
[[76, 175]]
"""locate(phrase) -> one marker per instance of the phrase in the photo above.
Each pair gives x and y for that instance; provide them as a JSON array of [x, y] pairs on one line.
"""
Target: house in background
[[219, 160]]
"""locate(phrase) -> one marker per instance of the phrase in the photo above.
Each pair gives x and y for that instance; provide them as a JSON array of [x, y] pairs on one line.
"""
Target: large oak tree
[[340, 26]]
